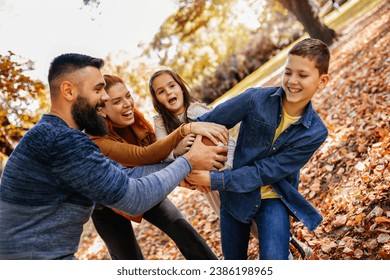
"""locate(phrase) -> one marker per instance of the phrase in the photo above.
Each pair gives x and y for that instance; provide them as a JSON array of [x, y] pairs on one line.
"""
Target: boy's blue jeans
[[273, 225]]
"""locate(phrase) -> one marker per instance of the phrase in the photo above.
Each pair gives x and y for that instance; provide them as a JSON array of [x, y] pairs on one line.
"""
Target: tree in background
[[22, 100], [306, 12], [212, 46], [195, 39], [212, 49]]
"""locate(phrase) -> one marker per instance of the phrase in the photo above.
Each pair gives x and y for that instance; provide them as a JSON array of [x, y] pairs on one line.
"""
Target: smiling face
[[169, 93], [88, 85], [301, 80], [120, 106]]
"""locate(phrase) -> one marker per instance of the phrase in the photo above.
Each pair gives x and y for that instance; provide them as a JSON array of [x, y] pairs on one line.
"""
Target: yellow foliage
[[22, 100]]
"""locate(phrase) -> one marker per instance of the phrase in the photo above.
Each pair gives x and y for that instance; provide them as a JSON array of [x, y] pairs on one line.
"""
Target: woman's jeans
[[273, 225], [118, 235]]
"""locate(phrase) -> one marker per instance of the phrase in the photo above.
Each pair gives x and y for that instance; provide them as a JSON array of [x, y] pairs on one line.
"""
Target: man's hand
[[203, 157]]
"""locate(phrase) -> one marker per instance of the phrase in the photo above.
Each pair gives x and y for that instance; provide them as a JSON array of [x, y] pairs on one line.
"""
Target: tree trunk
[[306, 14]]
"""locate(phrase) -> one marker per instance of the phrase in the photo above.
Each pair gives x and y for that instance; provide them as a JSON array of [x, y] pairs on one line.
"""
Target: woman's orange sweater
[[132, 146]]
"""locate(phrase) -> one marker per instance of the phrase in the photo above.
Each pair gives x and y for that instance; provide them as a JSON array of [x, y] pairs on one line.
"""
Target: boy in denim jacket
[[279, 133]]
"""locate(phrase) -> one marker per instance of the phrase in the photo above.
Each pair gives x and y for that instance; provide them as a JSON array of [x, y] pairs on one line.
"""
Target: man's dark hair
[[68, 63]]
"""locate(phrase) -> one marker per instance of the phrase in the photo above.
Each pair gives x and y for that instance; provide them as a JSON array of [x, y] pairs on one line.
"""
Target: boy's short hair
[[315, 50], [69, 63]]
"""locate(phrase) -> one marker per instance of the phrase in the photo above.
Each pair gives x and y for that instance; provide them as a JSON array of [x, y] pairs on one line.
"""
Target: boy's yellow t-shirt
[[287, 120]]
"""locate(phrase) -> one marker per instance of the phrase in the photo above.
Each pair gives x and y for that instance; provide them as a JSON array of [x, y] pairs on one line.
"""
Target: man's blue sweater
[[50, 185]]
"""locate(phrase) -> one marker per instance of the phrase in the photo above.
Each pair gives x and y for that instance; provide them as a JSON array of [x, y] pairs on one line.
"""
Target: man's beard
[[87, 119]]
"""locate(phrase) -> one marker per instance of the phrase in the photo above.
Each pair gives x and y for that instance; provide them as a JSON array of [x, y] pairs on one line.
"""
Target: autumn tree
[[22, 100], [193, 41], [206, 42], [214, 44], [307, 14], [196, 39], [211, 45]]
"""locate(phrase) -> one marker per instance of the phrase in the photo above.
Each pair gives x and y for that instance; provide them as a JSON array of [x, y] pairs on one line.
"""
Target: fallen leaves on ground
[[347, 179]]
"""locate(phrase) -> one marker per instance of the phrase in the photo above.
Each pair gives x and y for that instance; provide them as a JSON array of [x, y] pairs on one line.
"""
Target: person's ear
[[68, 90], [324, 79]]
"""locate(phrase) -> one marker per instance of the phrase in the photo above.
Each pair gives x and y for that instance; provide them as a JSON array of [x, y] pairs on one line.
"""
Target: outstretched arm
[[84, 168]]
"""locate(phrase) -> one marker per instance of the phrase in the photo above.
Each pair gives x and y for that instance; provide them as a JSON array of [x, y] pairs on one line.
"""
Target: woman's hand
[[215, 132]]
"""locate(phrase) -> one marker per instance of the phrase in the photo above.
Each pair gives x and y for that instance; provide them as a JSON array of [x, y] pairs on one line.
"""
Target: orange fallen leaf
[[382, 219]]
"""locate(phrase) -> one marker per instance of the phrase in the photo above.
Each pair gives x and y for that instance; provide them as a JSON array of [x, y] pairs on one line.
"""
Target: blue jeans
[[273, 225]]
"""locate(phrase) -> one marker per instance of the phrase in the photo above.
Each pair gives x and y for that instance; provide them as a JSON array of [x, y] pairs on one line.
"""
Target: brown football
[[208, 142]]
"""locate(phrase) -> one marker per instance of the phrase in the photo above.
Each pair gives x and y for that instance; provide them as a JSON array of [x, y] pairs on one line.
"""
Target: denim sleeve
[[155, 183], [230, 112], [266, 171]]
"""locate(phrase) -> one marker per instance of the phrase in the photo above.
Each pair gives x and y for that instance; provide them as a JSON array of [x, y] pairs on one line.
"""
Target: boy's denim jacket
[[258, 161]]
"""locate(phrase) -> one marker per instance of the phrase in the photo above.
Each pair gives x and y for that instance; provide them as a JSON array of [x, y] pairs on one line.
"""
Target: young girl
[[175, 105]]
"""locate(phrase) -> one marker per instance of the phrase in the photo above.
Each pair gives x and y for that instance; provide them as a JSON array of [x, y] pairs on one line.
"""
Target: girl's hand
[[215, 132], [184, 145], [226, 167]]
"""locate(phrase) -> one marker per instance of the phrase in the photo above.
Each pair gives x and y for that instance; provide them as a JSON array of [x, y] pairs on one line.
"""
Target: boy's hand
[[185, 184], [202, 157], [199, 178], [203, 189]]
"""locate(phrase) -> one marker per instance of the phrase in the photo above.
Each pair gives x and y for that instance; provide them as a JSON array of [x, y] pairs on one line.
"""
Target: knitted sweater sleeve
[[78, 164]]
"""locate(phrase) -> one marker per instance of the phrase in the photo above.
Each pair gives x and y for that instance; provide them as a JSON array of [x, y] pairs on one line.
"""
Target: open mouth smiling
[[172, 100], [294, 90], [128, 114]]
